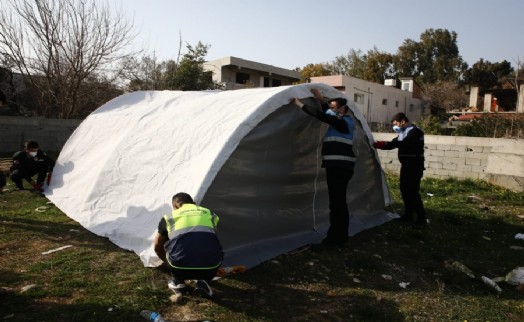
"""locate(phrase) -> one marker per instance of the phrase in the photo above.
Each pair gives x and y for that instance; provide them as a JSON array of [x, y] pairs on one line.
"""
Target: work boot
[[203, 289]]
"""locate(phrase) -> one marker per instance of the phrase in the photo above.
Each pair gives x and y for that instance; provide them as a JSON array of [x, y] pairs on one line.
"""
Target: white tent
[[247, 155]]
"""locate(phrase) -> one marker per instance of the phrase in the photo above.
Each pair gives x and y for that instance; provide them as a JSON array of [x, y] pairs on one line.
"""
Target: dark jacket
[[27, 165], [337, 148], [410, 144]]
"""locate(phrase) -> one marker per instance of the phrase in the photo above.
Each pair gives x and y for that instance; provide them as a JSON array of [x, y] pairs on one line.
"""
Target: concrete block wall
[[499, 161], [51, 134]]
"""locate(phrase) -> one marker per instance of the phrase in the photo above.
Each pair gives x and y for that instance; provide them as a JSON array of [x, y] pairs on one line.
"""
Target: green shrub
[[430, 125], [493, 126]]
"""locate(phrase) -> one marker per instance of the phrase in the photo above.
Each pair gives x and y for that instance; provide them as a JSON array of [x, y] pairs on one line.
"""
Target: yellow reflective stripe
[[200, 268], [189, 218], [169, 223]]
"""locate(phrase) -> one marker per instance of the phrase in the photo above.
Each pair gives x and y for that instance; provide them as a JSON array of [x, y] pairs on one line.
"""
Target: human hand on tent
[[379, 144], [297, 102], [317, 94]]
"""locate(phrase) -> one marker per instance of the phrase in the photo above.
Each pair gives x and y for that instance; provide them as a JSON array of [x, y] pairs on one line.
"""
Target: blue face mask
[[397, 128], [330, 112]]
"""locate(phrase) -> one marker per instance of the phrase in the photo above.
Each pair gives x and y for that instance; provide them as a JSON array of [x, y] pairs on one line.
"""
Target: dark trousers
[[410, 176], [193, 274], [17, 175], [2, 179], [337, 182]]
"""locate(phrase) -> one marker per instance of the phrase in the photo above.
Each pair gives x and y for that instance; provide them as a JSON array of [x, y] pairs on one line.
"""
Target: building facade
[[237, 73], [377, 102]]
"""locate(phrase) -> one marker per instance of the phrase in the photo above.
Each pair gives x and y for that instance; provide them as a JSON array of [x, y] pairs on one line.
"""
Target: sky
[[294, 33]]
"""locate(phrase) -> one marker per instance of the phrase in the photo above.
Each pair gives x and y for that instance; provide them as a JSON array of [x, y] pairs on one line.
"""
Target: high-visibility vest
[[190, 218], [337, 148]]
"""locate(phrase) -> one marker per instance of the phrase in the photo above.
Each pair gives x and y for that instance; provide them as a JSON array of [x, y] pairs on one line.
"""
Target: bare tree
[[57, 45], [445, 95]]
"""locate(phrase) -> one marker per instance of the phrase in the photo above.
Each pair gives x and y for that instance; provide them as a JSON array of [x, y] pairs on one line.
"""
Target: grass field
[[472, 223]]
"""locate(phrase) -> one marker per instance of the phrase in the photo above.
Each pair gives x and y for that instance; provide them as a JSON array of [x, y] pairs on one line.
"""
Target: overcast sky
[[294, 33]]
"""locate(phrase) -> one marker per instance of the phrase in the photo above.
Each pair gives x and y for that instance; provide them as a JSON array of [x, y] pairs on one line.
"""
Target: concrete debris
[[489, 282], [404, 284], [27, 288], [458, 266], [56, 249], [516, 276]]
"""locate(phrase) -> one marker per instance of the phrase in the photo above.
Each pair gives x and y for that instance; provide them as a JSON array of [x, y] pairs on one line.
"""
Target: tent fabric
[[248, 155]]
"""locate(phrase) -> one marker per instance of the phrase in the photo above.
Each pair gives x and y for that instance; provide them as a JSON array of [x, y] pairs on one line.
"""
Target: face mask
[[397, 128], [330, 112], [33, 154]]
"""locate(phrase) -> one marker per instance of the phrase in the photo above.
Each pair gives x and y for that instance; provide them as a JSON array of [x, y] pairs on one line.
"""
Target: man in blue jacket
[[338, 159], [187, 242]]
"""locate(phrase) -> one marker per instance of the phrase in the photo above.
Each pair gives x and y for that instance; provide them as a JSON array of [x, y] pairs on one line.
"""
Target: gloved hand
[[379, 144], [37, 187], [48, 180]]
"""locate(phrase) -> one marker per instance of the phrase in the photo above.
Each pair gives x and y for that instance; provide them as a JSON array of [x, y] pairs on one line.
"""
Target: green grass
[[471, 222]]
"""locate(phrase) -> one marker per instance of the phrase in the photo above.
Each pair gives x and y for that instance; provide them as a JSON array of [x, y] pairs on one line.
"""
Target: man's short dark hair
[[399, 117], [31, 144], [183, 198], [340, 101]]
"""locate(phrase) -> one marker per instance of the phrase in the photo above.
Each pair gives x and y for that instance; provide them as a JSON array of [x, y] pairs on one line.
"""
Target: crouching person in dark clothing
[[187, 242], [30, 162]]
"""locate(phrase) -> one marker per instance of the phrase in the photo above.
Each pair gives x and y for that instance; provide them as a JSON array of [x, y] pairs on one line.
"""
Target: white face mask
[[397, 128], [33, 154]]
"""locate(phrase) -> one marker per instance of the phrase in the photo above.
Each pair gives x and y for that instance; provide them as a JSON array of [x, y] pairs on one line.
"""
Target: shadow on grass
[[274, 301], [422, 257], [62, 233], [360, 281], [28, 307]]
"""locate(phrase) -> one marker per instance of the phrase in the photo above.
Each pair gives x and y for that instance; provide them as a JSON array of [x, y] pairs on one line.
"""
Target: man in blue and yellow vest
[[339, 161], [187, 242]]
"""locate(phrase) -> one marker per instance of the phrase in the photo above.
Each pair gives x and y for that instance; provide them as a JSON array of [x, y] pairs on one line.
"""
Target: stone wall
[[51, 134], [499, 161]]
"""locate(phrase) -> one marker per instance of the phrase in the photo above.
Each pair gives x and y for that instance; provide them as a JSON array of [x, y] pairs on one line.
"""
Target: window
[[358, 98], [396, 103], [271, 82], [242, 78], [384, 101], [405, 86]]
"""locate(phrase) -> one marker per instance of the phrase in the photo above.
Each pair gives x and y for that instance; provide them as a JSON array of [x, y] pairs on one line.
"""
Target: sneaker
[[176, 286], [203, 289]]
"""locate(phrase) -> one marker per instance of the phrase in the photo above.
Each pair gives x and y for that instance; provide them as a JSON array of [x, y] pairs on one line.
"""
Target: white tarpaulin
[[247, 155]]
